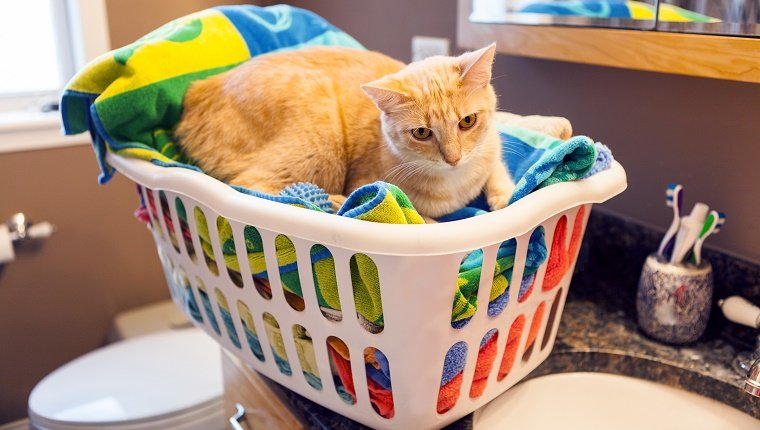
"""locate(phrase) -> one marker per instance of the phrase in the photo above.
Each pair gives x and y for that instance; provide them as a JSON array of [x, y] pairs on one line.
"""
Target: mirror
[[732, 17], [613, 13]]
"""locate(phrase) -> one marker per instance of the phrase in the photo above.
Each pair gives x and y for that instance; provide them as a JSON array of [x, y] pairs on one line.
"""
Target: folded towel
[[615, 9]]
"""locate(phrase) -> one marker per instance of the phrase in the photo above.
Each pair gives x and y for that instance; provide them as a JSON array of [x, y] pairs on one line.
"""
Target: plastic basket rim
[[382, 239]]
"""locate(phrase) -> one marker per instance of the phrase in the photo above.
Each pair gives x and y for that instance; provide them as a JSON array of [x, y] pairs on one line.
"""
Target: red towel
[[449, 394], [561, 257], [486, 357], [513, 341]]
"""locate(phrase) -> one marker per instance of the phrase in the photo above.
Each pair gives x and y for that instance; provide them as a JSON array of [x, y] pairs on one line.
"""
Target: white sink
[[602, 401]]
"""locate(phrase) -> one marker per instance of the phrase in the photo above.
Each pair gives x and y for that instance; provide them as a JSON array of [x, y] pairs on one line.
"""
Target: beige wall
[[58, 299], [702, 133]]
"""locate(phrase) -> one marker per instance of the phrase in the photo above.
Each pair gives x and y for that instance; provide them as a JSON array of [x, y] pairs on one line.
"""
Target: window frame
[[22, 129]]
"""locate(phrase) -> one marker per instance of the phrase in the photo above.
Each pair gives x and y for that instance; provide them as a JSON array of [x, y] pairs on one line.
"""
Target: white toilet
[[170, 380]]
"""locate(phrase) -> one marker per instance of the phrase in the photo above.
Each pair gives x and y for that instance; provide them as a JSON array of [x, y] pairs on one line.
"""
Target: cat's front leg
[[499, 187]]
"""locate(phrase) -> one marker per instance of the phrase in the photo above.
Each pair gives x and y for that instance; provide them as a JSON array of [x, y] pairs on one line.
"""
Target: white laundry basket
[[417, 267]]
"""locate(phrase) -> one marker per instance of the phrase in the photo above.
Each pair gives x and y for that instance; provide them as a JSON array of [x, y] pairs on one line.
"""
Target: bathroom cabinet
[[265, 407]]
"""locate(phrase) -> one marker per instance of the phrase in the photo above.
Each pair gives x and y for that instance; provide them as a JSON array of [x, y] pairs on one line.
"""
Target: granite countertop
[[594, 339], [598, 331]]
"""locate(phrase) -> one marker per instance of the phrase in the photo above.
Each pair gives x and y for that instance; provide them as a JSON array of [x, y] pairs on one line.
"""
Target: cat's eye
[[421, 133], [468, 121]]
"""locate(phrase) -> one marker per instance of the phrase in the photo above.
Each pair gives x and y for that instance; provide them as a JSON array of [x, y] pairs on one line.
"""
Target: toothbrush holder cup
[[673, 301]]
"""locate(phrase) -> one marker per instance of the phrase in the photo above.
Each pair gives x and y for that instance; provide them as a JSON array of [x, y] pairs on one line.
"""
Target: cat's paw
[[337, 201], [498, 199], [561, 128]]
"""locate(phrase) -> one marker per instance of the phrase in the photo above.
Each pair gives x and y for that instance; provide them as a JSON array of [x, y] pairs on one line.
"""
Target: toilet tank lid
[[155, 375]]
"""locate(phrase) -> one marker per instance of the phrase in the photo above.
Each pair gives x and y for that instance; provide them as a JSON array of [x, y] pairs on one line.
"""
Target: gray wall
[[702, 133]]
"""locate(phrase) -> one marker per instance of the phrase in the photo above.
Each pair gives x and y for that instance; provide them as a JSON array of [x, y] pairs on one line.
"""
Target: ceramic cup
[[673, 300]]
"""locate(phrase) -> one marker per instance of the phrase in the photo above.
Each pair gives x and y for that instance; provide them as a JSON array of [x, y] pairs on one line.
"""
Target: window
[[43, 43]]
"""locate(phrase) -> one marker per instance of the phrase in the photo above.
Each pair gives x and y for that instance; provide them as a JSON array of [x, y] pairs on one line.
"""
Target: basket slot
[[304, 345], [466, 288], [379, 387], [324, 366], [365, 283], [451, 378], [558, 258], [184, 229], [325, 282], [345, 287], [241, 242], [169, 220], [229, 251], [207, 306], [488, 284], [277, 344], [306, 276], [486, 356], [553, 320], [250, 248], [270, 259], [249, 329], [226, 315], [533, 331], [340, 364], [511, 347], [525, 289], [287, 264], [206, 238], [153, 211], [548, 229], [185, 294], [358, 375], [581, 216]]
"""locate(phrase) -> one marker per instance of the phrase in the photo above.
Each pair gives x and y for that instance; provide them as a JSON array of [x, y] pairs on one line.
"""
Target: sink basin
[[602, 401]]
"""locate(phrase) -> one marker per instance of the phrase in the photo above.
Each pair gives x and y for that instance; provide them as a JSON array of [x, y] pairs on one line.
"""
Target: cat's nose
[[453, 161]]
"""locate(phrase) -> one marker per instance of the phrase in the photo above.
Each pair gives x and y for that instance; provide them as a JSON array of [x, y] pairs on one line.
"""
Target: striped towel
[[130, 99]]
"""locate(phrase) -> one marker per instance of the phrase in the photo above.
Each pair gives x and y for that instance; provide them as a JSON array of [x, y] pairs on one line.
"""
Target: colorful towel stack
[[131, 99]]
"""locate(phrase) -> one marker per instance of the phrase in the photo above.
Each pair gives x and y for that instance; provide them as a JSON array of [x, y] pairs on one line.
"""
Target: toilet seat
[[169, 380]]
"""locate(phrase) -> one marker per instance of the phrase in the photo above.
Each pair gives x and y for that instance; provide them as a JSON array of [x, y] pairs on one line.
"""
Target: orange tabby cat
[[342, 118]]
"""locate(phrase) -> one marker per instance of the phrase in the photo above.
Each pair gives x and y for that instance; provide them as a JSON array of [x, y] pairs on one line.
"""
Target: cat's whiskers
[[399, 169], [407, 170], [416, 169]]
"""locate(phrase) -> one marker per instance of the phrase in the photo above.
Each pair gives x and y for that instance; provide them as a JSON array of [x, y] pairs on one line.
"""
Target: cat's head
[[438, 111]]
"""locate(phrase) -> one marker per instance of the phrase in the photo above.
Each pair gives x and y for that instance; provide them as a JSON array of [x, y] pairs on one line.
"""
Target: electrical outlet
[[424, 46]]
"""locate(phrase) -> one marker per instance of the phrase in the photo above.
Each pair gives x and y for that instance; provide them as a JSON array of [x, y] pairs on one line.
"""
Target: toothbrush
[[674, 199], [688, 231], [712, 225]]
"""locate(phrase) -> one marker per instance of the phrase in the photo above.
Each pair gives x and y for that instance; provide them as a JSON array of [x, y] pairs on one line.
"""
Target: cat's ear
[[476, 66], [382, 93]]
